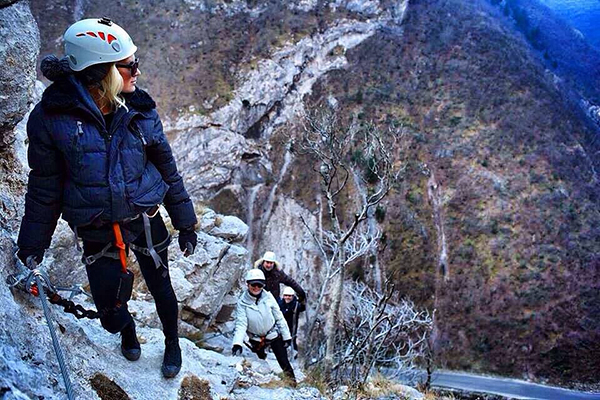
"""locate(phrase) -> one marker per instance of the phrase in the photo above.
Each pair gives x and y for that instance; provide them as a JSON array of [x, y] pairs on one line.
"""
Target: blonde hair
[[110, 88]]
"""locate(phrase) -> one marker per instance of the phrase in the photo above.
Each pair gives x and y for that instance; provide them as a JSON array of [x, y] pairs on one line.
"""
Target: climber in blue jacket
[[100, 159]]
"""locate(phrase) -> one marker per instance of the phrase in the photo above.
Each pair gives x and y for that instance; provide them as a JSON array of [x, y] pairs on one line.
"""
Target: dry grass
[[380, 386], [314, 378], [283, 382], [107, 389], [437, 396], [194, 388]]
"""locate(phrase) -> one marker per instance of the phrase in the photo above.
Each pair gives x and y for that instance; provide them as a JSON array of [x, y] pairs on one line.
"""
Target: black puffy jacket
[[93, 174], [275, 277]]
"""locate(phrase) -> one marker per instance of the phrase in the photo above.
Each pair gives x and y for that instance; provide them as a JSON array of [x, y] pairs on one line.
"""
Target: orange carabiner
[[121, 246]]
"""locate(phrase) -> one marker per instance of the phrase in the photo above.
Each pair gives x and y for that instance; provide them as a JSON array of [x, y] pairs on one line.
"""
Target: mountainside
[[582, 15], [500, 231], [495, 224]]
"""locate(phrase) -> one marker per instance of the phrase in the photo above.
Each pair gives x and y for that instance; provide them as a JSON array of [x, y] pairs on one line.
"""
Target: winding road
[[512, 388]]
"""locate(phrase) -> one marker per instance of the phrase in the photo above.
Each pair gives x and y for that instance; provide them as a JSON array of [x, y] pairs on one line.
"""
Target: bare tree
[[338, 151], [381, 331]]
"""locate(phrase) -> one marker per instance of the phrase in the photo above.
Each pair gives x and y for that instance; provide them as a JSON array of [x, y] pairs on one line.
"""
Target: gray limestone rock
[[19, 46], [230, 228]]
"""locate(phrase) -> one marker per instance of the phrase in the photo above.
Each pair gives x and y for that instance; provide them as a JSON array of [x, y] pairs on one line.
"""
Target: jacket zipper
[[78, 150], [139, 134]]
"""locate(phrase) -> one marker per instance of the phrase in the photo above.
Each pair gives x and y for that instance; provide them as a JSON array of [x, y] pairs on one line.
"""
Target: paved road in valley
[[512, 388], [507, 387]]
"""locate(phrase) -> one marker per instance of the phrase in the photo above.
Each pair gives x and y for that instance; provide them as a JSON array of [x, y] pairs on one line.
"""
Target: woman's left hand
[[188, 241]]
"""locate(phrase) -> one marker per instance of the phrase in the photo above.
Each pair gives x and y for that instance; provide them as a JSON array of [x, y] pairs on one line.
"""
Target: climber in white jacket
[[258, 315]]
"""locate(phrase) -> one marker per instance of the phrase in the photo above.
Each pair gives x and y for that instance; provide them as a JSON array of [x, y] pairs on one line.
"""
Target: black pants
[[104, 274], [280, 354]]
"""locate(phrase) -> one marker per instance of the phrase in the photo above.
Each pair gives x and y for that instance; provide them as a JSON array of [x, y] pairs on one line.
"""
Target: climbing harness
[[105, 252], [257, 346], [151, 250], [125, 287], [262, 342]]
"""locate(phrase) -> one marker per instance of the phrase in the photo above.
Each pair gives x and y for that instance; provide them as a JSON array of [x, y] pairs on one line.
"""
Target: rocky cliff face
[[495, 223], [18, 53]]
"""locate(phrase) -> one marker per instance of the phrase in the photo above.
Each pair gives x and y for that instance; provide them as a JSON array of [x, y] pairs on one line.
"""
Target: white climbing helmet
[[255, 275], [96, 41], [269, 256], [288, 291]]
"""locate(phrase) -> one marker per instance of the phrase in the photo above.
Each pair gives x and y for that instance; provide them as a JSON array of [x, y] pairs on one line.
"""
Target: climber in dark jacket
[[269, 265], [100, 159], [291, 309]]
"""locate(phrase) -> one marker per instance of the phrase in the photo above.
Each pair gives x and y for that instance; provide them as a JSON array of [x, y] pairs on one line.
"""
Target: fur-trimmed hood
[[68, 93], [68, 90]]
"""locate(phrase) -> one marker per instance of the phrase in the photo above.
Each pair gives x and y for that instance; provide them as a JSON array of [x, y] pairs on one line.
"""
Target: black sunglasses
[[133, 66], [257, 285]]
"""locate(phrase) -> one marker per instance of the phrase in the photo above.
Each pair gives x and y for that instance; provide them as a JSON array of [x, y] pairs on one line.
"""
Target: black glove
[[236, 350], [28, 255], [187, 241], [287, 343]]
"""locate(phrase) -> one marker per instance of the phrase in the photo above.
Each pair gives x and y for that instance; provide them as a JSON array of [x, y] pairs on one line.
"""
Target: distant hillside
[[563, 49], [510, 180], [583, 15]]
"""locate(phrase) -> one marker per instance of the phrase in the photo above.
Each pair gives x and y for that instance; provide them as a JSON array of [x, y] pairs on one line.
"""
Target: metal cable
[[55, 343]]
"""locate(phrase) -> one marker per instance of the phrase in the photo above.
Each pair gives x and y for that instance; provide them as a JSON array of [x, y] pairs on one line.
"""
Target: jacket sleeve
[[241, 325], [289, 281], [43, 201], [282, 325], [177, 201], [301, 307]]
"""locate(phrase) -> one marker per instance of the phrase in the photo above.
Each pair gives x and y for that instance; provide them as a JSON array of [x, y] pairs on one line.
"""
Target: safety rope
[[55, 343]]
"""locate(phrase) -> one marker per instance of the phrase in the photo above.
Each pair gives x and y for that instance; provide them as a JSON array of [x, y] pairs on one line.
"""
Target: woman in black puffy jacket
[[100, 159]]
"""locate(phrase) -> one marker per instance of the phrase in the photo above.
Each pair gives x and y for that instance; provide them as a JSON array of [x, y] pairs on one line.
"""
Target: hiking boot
[[261, 354], [130, 347], [172, 358]]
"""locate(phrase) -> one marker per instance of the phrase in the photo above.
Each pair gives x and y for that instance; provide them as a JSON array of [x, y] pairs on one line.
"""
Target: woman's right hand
[[236, 350], [29, 257]]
